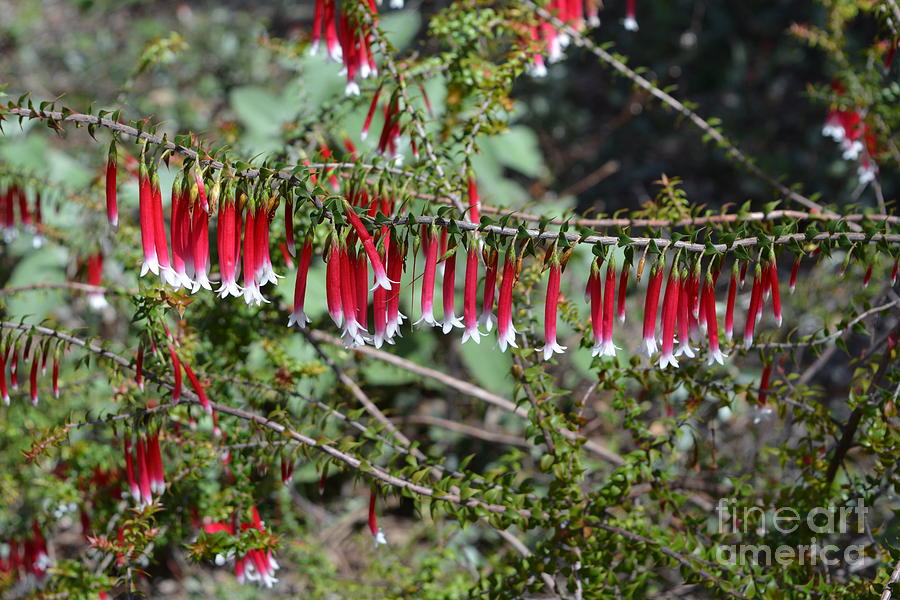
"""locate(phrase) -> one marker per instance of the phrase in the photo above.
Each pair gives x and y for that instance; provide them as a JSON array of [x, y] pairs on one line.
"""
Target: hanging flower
[[298, 317], [430, 250], [228, 239], [630, 23], [712, 327], [381, 278], [377, 532], [166, 273], [396, 264], [487, 318], [470, 295], [608, 348], [448, 288], [684, 316], [333, 285], [729, 305], [651, 306], [148, 228], [96, 299], [551, 302], [506, 332], [669, 315], [755, 307], [112, 206], [199, 243], [623, 290], [594, 293]]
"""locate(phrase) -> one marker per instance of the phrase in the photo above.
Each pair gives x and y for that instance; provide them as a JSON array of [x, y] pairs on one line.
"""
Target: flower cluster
[[39, 355], [14, 203], [28, 559], [576, 14], [257, 564], [143, 468], [348, 39], [857, 140]]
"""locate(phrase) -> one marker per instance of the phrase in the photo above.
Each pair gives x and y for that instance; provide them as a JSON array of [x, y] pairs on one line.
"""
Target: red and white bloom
[[298, 317], [551, 302], [430, 251], [470, 295], [651, 306], [506, 332]]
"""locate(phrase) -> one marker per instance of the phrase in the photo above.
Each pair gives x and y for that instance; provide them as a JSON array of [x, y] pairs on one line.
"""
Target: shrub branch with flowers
[[232, 357]]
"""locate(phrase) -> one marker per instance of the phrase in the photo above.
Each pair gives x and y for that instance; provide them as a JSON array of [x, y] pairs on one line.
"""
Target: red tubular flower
[[470, 295], [333, 285], [430, 250], [159, 234], [361, 274], [285, 255], [133, 487], [671, 301], [96, 300], [594, 291], [139, 368], [143, 474], [4, 392], [112, 206], [55, 377], [176, 373], [608, 348], [776, 293], [474, 203], [651, 306], [755, 302], [24, 214], [180, 232], [198, 389], [764, 385], [487, 318], [289, 226], [287, 470], [377, 533], [252, 293], [381, 278], [448, 288], [14, 369], [352, 332], [712, 326], [148, 227], [729, 306], [743, 277], [395, 266], [32, 378], [380, 315], [298, 317], [200, 248], [683, 316], [867, 277], [155, 467], [368, 122], [265, 273], [506, 332], [229, 243], [630, 22], [794, 270], [551, 302], [623, 290]]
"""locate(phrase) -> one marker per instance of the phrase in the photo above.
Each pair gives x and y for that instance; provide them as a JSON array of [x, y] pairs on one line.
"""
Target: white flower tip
[[97, 302], [396, 4], [630, 24], [298, 318], [352, 89], [538, 70], [380, 538], [716, 356], [593, 21], [667, 360]]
